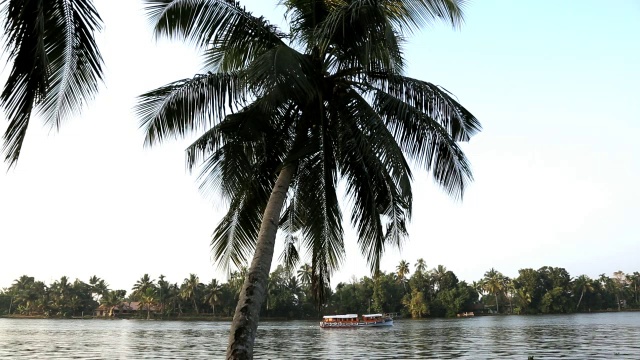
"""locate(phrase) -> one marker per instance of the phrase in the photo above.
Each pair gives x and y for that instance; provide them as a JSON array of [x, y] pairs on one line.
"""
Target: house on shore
[[125, 309]]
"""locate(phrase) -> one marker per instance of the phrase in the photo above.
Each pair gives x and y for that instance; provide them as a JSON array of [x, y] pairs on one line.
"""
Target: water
[[579, 336]]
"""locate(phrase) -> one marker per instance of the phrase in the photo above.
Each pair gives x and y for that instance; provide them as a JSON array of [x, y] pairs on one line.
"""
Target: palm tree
[[582, 284], [98, 287], [213, 290], [523, 298], [141, 286], [494, 284], [402, 270], [421, 266], [56, 64], [437, 274], [190, 288], [111, 299], [163, 292], [148, 299], [509, 288], [285, 115], [305, 275]]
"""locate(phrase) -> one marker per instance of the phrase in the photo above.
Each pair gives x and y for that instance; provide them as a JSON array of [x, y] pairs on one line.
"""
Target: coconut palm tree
[[98, 287], [494, 284], [403, 270], [581, 285], [523, 298], [141, 286], [56, 64], [190, 290], [305, 275], [148, 299], [285, 115], [111, 299], [421, 266], [437, 274], [212, 291]]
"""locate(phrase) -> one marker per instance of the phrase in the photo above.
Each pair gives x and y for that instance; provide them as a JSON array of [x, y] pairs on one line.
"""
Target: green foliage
[[416, 304], [427, 293]]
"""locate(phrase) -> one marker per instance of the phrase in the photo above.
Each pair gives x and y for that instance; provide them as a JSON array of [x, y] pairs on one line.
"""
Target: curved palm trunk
[[254, 289], [580, 300]]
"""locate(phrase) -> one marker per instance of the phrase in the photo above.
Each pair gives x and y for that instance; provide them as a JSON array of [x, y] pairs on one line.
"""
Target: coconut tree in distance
[[212, 291], [494, 284], [285, 114], [190, 290], [421, 266], [141, 286], [148, 299], [304, 273], [403, 270], [581, 285], [56, 64]]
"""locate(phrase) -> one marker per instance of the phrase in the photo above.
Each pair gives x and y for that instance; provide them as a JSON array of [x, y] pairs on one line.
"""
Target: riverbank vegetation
[[411, 291]]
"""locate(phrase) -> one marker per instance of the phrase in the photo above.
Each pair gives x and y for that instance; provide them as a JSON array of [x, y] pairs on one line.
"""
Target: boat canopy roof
[[347, 316], [372, 315]]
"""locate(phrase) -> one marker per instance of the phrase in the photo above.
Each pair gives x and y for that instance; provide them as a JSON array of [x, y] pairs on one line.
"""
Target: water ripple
[[580, 336]]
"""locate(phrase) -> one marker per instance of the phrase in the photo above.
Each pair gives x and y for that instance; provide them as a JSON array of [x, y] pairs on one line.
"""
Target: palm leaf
[[379, 194], [234, 36], [189, 105], [359, 33], [432, 100], [56, 63], [426, 141]]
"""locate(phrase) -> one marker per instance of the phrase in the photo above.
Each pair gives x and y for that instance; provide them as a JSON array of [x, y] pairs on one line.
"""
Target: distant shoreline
[[228, 319]]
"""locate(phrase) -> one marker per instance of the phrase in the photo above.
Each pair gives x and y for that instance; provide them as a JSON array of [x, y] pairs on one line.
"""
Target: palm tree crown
[[315, 101]]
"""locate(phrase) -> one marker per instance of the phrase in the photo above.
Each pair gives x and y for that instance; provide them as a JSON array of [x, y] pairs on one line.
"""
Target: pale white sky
[[555, 85]]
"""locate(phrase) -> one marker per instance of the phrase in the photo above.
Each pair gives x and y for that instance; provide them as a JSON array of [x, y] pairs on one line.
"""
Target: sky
[[556, 167]]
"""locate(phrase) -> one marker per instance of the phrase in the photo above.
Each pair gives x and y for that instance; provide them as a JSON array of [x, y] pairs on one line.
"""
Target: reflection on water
[[580, 336]]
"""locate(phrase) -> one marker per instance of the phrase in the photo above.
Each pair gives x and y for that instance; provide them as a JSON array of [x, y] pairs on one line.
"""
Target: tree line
[[417, 292]]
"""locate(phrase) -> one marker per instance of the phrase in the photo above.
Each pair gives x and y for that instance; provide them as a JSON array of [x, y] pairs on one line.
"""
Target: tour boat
[[352, 321]]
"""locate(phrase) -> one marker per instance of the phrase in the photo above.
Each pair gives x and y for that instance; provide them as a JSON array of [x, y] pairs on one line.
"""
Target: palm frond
[[285, 72], [304, 16], [233, 36], [76, 63], [426, 141], [412, 15], [189, 105], [290, 257], [56, 63], [234, 239], [380, 196], [360, 33], [432, 100]]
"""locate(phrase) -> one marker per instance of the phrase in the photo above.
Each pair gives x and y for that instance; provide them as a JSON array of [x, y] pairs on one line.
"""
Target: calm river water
[[580, 336]]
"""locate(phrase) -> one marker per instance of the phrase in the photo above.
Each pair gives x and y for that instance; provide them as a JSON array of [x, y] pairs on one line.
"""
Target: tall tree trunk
[[497, 308], [253, 293], [580, 300]]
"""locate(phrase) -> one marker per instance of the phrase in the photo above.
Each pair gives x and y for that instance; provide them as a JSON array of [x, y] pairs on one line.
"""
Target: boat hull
[[383, 323]]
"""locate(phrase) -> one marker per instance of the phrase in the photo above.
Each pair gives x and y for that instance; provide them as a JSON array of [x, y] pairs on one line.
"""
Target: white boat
[[352, 321]]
